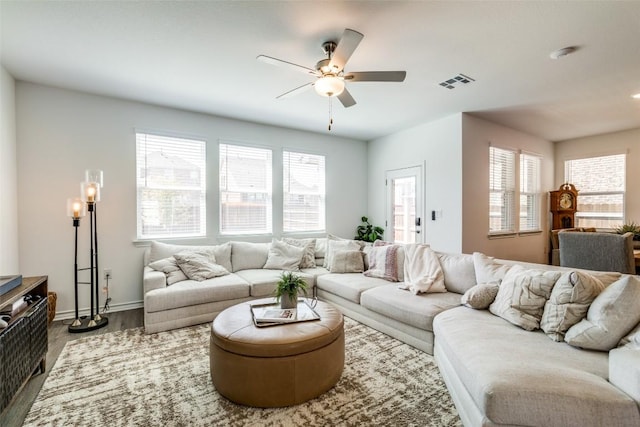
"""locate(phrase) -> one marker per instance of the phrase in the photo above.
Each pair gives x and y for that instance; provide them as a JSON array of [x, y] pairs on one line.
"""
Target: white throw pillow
[[480, 296], [221, 252], [283, 256], [169, 266], [338, 245], [249, 256], [611, 316], [522, 295], [309, 246], [199, 266], [347, 262], [487, 270], [459, 272], [422, 271], [570, 299]]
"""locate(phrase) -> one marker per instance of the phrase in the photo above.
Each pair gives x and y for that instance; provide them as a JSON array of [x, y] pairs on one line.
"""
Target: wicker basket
[[52, 297]]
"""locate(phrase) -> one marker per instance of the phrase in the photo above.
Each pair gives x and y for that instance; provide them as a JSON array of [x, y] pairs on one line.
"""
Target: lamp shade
[[94, 175], [75, 208], [329, 86], [90, 191]]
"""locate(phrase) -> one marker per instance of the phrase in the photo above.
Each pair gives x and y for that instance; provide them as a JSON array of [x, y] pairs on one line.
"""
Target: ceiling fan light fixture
[[329, 86]]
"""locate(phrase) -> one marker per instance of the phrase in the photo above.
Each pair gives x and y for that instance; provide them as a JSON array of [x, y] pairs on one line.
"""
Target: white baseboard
[[70, 314]]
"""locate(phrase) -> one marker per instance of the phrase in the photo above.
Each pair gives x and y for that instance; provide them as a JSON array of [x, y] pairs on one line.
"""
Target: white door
[[404, 205]]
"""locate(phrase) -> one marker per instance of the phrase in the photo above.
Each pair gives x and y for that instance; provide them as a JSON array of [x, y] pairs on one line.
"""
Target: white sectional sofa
[[498, 373]]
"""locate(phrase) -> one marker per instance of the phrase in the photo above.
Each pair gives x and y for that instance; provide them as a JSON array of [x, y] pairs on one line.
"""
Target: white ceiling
[[200, 56]]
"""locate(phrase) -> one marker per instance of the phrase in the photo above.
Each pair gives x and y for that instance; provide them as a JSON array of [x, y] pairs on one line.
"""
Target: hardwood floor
[[15, 414]]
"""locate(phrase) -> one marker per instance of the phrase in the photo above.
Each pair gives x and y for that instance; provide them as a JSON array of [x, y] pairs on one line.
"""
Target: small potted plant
[[288, 288]]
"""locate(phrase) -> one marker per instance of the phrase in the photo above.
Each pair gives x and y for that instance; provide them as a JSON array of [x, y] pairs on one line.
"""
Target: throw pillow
[[169, 267], [611, 316], [366, 247], [283, 256], [487, 270], [459, 272], [570, 299], [480, 296], [161, 250], [338, 245], [347, 262], [199, 266], [309, 255], [383, 263], [522, 295], [248, 255], [422, 271]]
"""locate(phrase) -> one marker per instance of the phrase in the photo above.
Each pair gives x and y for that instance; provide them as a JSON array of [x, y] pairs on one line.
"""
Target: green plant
[[630, 227], [368, 232], [290, 284]]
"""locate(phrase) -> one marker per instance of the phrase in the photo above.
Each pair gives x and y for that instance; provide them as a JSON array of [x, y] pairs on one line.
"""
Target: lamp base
[[87, 325]]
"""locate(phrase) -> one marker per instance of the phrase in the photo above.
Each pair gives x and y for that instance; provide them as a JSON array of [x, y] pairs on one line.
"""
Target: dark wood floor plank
[[59, 335]]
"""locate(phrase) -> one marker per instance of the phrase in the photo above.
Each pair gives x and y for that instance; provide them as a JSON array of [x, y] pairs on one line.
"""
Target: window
[[303, 192], [601, 185], [171, 186], [502, 184], [245, 190], [529, 193]]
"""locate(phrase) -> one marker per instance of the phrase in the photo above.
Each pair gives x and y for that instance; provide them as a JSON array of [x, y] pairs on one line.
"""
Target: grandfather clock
[[563, 206]]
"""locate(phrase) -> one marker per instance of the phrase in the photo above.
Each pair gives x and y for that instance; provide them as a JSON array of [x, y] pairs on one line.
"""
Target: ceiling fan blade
[[345, 48], [346, 99], [376, 76], [295, 91], [290, 65]]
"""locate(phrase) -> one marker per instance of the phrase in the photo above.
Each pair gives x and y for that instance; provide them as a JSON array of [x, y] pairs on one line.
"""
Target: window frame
[[533, 194], [322, 212], [169, 142], [508, 193]]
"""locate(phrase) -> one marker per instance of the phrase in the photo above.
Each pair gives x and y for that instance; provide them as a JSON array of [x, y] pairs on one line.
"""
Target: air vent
[[455, 81]]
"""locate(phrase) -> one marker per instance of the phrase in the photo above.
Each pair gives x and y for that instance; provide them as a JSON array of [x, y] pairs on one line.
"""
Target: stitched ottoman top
[[233, 330]]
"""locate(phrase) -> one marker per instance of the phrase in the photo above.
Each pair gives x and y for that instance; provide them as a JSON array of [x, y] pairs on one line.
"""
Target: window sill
[[502, 235], [529, 233]]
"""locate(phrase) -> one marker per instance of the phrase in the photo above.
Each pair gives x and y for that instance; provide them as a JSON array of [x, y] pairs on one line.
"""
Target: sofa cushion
[[570, 299], [199, 266], [169, 266], [487, 270], [422, 271], [222, 252], [348, 285], [262, 282], [611, 316], [415, 310], [347, 262], [522, 296], [517, 377], [480, 296], [283, 256], [309, 245], [459, 272], [337, 244], [632, 339], [247, 255], [189, 293]]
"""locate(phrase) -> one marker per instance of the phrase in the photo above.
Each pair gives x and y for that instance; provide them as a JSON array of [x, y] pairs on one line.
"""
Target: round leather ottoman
[[279, 365]]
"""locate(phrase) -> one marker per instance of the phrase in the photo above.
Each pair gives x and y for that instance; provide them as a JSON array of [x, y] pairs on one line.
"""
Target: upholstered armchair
[[597, 251]]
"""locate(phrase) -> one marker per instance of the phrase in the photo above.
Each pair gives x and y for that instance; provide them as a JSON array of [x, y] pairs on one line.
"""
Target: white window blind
[[502, 185], [601, 185], [529, 192], [303, 192], [245, 190], [171, 186]]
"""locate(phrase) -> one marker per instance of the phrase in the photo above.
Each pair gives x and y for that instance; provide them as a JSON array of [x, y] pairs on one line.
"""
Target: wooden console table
[[24, 342]]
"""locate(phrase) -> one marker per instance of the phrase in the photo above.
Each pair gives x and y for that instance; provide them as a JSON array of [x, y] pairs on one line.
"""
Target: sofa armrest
[[152, 279], [624, 370]]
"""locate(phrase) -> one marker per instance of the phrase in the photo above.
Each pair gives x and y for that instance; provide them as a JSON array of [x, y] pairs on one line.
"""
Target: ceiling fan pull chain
[[330, 115]]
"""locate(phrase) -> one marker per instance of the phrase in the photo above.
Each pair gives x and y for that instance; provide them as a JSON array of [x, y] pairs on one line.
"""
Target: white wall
[[602, 145], [8, 177], [437, 146], [61, 133], [476, 135]]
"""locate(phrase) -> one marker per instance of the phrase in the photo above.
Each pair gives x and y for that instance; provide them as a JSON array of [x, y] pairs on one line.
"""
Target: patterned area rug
[[128, 378]]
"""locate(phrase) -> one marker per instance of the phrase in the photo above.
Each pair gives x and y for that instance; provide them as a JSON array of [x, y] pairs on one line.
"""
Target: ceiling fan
[[329, 73]]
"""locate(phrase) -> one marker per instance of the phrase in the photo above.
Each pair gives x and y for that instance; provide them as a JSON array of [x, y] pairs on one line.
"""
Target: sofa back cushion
[[161, 250], [459, 272], [247, 255]]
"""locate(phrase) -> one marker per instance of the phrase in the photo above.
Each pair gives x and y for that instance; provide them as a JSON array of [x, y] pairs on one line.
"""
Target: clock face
[[566, 201]]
